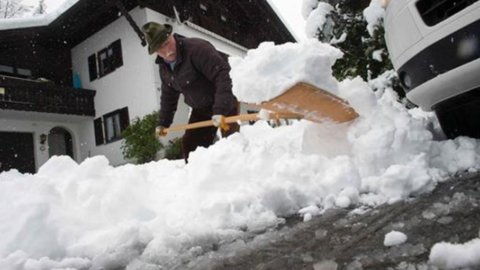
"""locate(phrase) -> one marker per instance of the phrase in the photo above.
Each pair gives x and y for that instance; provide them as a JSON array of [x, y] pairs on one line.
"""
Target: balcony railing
[[39, 96]]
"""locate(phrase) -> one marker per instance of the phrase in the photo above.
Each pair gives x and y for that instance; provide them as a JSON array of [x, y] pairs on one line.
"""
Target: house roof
[[245, 22]]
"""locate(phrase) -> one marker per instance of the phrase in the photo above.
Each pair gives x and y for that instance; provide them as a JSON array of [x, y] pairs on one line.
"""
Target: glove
[[219, 121], [160, 131]]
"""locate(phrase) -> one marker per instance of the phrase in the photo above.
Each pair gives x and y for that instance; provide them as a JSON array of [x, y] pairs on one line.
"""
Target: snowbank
[[92, 215], [455, 256]]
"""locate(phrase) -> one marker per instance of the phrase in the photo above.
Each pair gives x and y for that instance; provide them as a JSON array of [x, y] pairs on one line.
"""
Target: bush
[[140, 141], [174, 149]]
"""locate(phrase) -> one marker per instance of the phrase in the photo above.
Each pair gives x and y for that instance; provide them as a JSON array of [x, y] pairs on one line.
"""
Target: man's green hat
[[156, 34]]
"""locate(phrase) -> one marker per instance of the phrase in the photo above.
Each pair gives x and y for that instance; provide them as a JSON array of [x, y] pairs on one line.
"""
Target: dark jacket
[[201, 74]]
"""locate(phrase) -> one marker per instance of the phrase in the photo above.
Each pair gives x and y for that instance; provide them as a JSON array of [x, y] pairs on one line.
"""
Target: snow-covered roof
[[36, 21], [75, 20]]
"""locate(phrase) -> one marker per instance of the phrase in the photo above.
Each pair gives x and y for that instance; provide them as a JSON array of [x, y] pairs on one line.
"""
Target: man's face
[[168, 50]]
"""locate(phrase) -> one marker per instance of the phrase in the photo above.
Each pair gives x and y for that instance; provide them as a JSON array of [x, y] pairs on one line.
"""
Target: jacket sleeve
[[208, 61], [168, 105]]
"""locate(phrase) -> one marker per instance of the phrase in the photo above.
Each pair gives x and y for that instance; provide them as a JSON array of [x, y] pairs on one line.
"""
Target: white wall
[[131, 85]]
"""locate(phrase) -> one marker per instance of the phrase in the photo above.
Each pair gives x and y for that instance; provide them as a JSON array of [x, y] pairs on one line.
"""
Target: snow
[[325, 265], [50, 5], [36, 21], [308, 6], [92, 215], [455, 256], [95, 216], [317, 19], [377, 55], [256, 80], [394, 238], [374, 14]]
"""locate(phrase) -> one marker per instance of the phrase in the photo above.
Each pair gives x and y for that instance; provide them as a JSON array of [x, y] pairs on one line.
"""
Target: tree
[[13, 9], [140, 141], [345, 27]]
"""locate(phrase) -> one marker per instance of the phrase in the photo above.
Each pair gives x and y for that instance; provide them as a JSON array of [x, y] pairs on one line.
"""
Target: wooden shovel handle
[[231, 119]]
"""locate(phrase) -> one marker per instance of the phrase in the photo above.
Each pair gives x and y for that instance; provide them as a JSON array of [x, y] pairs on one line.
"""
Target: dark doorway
[[16, 152], [60, 142]]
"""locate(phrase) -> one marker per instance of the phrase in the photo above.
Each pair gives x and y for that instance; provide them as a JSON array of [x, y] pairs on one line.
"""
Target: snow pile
[[455, 256], [256, 80], [394, 238], [92, 215]]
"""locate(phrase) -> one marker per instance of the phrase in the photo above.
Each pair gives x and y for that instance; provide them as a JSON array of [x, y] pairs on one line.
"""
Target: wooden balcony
[[44, 96]]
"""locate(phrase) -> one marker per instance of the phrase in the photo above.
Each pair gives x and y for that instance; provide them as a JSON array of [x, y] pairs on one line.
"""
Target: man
[[193, 67]]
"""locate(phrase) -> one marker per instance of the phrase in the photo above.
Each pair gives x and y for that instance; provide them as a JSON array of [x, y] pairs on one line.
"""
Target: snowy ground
[[397, 236], [94, 216]]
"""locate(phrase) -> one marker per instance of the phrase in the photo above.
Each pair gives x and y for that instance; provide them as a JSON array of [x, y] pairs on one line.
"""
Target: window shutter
[[98, 127], [124, 118], [117, 58], [92, 67]]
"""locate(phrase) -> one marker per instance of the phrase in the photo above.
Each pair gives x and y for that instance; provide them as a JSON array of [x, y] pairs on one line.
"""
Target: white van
[[434, 46]]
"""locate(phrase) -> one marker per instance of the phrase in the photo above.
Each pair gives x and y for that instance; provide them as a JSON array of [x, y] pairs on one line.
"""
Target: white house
[[71, 85]]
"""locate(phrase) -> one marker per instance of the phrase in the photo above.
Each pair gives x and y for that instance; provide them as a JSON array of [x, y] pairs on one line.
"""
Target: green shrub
[[174, 149], [140, 141]]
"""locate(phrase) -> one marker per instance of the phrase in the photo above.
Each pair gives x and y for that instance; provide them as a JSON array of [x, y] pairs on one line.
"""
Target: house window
[[24, 72], [7, 69], [112, 127], [104, 66], [109, 127], [105, 61], [15, 71]]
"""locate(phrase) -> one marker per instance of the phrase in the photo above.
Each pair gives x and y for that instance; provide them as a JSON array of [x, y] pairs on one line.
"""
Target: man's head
[[160, 40]]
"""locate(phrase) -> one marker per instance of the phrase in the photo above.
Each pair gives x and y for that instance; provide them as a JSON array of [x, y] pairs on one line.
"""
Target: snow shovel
[[234, 119], [303, 100], [312, 103]]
